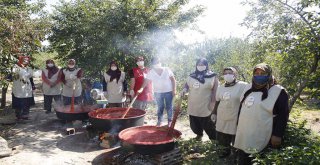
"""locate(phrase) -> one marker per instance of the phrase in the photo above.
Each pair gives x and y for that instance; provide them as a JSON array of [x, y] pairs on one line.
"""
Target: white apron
[[21, 87], [47, 90], [115, 89], [67, 89], [199, 97], [255, 121], [228, 109]]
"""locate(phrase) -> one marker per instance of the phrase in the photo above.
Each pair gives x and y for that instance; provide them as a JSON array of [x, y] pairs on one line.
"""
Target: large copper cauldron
[[148, 140], [109, 119], [80, 112]]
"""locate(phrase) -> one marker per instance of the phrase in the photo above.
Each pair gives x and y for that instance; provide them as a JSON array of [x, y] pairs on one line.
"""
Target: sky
[[220, 20]]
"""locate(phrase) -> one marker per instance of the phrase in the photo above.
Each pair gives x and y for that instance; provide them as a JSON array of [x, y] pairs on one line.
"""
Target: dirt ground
[[43, 139]]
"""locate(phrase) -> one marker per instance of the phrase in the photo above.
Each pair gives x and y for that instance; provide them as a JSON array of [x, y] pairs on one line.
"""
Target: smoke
[[158, 43]]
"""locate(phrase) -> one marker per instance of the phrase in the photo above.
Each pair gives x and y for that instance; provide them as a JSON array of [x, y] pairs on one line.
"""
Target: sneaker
[[47, 112]]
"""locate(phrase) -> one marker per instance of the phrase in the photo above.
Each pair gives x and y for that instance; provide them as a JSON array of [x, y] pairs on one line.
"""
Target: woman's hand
[[275, 141]]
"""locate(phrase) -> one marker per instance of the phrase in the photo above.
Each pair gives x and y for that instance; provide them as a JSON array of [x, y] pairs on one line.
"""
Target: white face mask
[[25, 62], [157, 65], [71, 66], [50, 65], [201, 68], [140, 63], [113, 68], [228, 78]]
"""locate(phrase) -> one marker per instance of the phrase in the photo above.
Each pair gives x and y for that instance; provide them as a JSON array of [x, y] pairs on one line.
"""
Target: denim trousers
[[164, 101]]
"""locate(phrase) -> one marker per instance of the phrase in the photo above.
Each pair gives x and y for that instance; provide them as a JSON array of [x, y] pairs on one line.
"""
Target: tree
[[23, 26], [94, 32], [286, 34]]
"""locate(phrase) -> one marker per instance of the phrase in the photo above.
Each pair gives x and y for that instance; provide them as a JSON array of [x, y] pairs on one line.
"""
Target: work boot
[[198, 138]]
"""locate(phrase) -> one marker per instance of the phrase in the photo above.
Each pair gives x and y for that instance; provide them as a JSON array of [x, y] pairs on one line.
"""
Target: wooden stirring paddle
[[130, 105], [175, 116]]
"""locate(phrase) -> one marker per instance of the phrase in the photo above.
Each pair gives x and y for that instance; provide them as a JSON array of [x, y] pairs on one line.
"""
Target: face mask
[[140, 63], [71, 66], [113, 68], [201, 68], [228, 78], [50, 65], [261, 79], [157, 65]]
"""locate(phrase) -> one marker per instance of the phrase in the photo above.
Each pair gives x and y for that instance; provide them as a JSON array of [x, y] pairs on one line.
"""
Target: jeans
[[164, 101]]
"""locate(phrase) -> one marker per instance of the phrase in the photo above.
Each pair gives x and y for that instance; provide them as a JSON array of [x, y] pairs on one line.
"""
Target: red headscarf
[[22, 59]]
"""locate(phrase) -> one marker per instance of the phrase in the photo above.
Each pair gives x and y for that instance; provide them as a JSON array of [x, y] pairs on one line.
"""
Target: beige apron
[[199, 98], [228, 109], [47, 90], [115, 89], [255, 121], [21, 87], [67, 89]]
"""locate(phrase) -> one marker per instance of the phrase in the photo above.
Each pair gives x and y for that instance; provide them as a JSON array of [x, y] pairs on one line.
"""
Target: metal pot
[[109, 119], [80, 112], [148, 140]]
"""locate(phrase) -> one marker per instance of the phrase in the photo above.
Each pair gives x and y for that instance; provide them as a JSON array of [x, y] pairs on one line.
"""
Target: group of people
[[52, 77], [243, 116]]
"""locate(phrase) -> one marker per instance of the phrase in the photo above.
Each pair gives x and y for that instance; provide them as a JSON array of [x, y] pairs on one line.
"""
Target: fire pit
[[80, 112], [148, 140], [109, 119]]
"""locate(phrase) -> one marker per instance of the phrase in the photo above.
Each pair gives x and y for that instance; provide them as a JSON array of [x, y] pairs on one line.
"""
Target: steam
[[58, 106]]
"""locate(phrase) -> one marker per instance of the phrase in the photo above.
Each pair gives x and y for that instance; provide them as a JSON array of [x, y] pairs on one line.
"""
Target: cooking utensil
[[130, 105], [106, 119], [80, 113], [148, 140], [175, 116], [72, 98]]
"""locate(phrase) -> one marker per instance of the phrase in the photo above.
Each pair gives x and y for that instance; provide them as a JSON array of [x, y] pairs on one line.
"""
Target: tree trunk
[[4, 96], [296, 95], [304, 82]]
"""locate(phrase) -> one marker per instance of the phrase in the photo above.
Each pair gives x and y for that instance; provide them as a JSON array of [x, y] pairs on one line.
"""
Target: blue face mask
[[260, 79]]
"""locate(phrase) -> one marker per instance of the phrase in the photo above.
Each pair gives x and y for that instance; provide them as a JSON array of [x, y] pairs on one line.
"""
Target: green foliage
[[300, 146], [42, 57], [96, 32], [206, 152], [23, 26], [285, 34]]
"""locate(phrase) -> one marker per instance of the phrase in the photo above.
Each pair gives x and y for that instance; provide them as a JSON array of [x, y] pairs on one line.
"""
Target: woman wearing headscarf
[[202, 85], [263, 114], [71, 79], [51, 85], [22, 88], [226, 110], [116, 85]]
